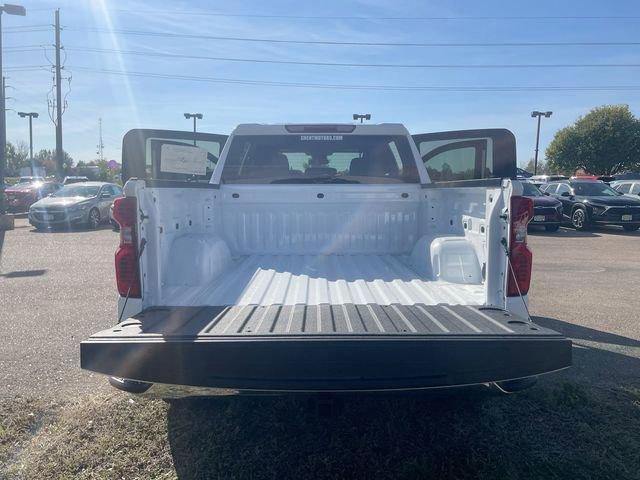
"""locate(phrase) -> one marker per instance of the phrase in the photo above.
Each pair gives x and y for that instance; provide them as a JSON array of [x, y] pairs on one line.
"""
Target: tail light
[[127, 272], [521, 258]]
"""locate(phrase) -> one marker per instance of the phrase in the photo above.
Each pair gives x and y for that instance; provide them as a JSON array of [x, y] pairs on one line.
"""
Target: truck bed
[[324, 279], [325, 347]]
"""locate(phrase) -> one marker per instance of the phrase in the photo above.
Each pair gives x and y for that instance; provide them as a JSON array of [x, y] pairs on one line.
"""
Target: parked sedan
[[84, 203], [587, 202], [627, 187], [21, 196], [547, 211]]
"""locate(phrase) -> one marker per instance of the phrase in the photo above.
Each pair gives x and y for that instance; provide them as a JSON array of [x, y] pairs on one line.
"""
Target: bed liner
[[325, 348], [382, 279]]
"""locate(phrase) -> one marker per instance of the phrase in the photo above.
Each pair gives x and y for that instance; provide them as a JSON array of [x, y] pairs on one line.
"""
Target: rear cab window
[[319, 158]]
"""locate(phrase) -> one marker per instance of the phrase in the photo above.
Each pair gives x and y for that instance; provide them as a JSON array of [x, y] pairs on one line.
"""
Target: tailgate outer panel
[[325, 347]]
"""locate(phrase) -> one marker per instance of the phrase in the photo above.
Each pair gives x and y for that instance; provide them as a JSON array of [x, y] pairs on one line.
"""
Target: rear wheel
[[631, 228], [579, 219], [130, 386], [551, 228], [94, 218]]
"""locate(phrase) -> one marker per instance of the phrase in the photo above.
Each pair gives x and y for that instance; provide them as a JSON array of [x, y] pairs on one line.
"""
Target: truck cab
[[321, 258]]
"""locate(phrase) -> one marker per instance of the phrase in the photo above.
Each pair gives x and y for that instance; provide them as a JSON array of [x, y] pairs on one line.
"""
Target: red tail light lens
[[127, 272], [519, 279]]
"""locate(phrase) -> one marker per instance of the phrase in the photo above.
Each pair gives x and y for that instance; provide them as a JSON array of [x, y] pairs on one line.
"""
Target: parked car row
[[585, 202]]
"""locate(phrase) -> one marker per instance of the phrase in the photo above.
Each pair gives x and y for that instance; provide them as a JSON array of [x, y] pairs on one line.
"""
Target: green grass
[[558, 430]]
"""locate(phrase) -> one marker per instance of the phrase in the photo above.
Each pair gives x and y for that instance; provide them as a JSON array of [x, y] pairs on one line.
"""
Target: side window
[[551, 188], [635, 189], [563, 188], [116, 190], [623, 187], [142, 152], [456, 161], [464, 155]]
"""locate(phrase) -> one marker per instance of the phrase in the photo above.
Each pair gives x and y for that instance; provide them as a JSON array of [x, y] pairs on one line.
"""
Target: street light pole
[[195, 116], [538, 114], [31, 116], [9, 10]]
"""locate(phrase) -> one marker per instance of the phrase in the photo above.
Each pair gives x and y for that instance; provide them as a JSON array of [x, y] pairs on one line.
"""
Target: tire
[[551, 228], [93, 220], [579, 219], [631, 228], [130, 386]]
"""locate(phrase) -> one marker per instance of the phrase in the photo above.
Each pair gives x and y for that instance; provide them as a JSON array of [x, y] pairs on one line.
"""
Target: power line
[[437, 88], [25, 67], [26, 27], [349, 43], [383, 18], [19, 50], [25, 46], [357, 65], [33, 30]]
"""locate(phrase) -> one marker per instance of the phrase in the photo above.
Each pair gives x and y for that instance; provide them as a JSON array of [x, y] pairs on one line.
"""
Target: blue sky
[[128, 102]]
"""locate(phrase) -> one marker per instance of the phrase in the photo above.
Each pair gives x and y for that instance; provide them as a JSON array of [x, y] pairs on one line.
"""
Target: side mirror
[[546, 193], [565, 194]]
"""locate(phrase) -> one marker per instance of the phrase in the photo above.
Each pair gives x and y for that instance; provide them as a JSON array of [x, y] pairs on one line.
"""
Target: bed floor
[[324, 279]]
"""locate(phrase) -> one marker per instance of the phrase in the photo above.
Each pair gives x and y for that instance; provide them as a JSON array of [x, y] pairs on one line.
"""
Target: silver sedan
[[86, 204]]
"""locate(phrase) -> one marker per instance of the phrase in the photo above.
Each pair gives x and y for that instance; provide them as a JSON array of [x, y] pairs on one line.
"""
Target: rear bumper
[[334, 362], [59, 219]]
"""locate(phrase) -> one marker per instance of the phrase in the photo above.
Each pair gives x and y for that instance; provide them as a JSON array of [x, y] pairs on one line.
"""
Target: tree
[[47, 159], [17, 157], [606, 141], [106, 174], [543, 168]]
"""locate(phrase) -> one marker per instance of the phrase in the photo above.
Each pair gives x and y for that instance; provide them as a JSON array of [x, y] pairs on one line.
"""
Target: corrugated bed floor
[[324, 279], [345, 319]]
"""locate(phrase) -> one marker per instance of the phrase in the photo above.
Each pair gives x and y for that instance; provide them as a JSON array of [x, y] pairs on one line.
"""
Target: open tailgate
[[325, 347]]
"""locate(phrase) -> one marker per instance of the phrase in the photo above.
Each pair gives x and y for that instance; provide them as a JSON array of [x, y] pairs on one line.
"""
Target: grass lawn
[[558, 429]]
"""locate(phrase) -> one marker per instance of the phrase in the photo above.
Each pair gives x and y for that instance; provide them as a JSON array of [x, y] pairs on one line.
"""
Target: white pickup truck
[[322, 258]]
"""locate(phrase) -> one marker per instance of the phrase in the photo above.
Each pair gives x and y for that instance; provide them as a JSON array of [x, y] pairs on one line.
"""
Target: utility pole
[[538, 114], [6, 223], [59, 150], [100, 151]]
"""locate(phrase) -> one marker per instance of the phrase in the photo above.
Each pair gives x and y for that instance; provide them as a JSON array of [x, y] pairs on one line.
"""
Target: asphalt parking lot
[[58, 288]]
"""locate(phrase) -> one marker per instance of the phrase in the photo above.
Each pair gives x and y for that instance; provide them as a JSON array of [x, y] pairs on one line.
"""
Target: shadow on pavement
[[24, 273], [70, 229], [563, 233], [574, 331], [594, 231], [450, 434]]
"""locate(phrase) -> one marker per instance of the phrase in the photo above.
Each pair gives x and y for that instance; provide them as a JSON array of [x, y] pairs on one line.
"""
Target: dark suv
[[587, 202], [547, 211]]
